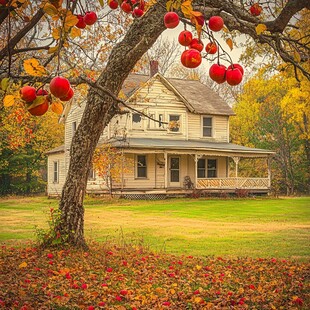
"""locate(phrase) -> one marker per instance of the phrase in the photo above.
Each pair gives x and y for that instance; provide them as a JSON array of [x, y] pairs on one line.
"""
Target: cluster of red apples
[[135, 7], [192, 58], [59, 87], [88, 19]]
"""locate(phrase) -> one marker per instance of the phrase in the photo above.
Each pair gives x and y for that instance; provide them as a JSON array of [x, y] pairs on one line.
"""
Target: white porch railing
[[231, 183]]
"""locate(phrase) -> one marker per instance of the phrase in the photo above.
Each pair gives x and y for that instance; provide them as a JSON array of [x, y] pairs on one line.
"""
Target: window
[[174, 123], [207, 126], [161, 119], [152, 123], [212, 169], [201, 168], [141, 166], [74, 127], [136, 121], [55, 172]]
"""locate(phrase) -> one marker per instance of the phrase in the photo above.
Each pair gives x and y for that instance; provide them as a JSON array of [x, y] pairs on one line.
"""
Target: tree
[[273, 113], [110, 164], [102, 102]]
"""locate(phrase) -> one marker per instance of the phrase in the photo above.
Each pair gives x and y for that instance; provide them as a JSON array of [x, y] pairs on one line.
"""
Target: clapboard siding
[[220, 127], [55, 188]]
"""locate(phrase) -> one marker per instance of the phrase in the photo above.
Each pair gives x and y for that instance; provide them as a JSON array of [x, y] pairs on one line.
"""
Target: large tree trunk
[[100, 108]]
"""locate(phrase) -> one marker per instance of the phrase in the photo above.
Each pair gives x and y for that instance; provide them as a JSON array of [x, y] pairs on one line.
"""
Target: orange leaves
[[260, 28], [101, 279], [8, 100], [33, 67]]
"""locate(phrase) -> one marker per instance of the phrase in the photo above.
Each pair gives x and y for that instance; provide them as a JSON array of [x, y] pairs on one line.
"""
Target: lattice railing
[[246, 183]]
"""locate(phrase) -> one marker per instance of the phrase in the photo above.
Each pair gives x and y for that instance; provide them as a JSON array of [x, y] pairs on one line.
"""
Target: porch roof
[[192, 145]]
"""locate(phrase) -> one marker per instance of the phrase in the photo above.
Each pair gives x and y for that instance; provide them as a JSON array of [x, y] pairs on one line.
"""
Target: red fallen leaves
[[100, 280]]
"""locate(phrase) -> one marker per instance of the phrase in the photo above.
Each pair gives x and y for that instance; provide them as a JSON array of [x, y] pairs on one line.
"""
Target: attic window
[[136, 121]]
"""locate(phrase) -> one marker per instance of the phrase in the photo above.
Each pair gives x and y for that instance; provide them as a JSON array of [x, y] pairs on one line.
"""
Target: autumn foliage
[[123, 277]]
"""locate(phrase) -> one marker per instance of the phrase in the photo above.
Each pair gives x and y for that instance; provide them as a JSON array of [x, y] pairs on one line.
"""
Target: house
[[179, 143]]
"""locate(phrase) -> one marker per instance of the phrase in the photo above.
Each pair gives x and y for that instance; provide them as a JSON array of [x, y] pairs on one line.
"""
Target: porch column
[[269, 171], [166, 169], [236, 161]]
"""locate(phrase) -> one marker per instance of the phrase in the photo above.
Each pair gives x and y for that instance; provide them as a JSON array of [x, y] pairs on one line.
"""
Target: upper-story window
[[174, 122], [137, 122], [207, 126]]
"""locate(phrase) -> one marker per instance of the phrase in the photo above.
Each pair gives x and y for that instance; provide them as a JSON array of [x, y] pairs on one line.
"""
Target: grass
[[232, 228]]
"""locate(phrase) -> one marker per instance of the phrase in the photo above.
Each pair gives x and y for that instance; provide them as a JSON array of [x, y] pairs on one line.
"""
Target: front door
[[174, 167]]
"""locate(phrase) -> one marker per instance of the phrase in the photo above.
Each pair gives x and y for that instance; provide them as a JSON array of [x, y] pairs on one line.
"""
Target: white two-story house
[[186, 148]]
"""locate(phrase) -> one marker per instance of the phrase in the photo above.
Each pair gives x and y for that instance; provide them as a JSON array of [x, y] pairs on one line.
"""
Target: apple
[[42, 92], [211, 48], [68, 96], [113, 4], [216, 23], [28, 93], [39, 109], [137, 12], [90, 18], [196, 44], [81, 23], [217, 73], [233, 76], [191, 58], [185, 38], [255, 9], [4, 2], [59, 86], [126, 7], [236, 66], [171, 20]]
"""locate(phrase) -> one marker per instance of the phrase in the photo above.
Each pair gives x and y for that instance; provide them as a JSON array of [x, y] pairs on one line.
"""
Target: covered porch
[[184, 166]]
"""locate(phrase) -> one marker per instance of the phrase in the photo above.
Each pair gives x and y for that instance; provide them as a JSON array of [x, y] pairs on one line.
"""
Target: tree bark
[[99, 110]]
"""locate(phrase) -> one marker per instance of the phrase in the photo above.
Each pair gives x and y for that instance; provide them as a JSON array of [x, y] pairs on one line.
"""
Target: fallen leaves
[[113, 277]]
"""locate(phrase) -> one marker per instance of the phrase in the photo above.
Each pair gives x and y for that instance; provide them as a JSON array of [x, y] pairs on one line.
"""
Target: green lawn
[[245, 227]]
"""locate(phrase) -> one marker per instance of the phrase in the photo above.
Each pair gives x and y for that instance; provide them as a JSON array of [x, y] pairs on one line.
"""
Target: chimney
[[153, 67]]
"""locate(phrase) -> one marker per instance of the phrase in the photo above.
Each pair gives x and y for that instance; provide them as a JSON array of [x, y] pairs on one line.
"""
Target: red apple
[[137, 12], [211, 48], [39, 109], [81, 23], [196, 44], [185, 38], [42, 92], [218, 73], [126, 7], [113, 4], [191, 58], [216, 23], [28, 93], [233, 76], [68, 96], [90, 18], [171, 20], [59, 86], [236, 66], [4, 2], [255, 9]]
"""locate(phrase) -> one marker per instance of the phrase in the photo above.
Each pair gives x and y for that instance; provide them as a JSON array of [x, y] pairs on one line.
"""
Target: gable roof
[[197, 97]]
